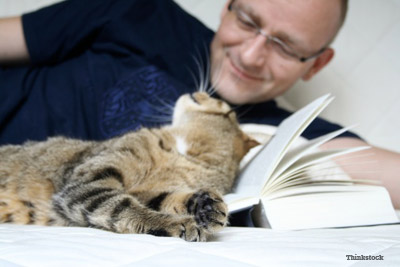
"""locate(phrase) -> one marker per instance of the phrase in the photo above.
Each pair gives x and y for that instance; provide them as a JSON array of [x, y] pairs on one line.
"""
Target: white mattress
[[62, 246]]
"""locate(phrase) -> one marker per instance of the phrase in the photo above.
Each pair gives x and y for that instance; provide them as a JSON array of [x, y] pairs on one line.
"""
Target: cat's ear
[[243, 144], [250, 142]]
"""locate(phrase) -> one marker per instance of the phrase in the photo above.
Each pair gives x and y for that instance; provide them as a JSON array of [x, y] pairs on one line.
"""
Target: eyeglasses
[[250, 29]]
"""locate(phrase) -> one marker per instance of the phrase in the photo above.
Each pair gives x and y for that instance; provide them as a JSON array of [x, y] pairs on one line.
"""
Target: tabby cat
[[165, 181]]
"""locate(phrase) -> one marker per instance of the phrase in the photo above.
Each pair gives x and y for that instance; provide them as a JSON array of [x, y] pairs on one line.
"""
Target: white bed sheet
[[234, 246]]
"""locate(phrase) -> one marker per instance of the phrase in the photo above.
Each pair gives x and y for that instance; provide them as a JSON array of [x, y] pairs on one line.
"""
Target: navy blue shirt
[[100, 68]]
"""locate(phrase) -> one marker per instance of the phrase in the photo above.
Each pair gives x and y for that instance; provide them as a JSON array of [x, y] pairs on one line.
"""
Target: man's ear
[[320, 62], [225, 9]]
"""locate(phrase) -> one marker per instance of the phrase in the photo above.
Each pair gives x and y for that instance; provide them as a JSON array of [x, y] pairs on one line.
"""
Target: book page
[[318, 189], [238, 202], [321, 156], [294, 154], [312, 159], [256, 173], [303, 185]]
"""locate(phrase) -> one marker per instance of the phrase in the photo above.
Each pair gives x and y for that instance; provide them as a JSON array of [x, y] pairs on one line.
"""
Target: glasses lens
[[247, 28], [282, 49], [243, 22]]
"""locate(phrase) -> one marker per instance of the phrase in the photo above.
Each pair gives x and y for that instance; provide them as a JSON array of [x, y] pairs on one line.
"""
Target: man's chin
[[241, 93], [236, 98]]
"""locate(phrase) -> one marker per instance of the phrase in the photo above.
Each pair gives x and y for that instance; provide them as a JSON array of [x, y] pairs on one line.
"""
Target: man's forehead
[[298, 19], [310, 7]]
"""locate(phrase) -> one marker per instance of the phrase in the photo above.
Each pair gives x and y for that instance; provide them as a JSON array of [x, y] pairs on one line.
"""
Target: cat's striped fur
[[141, 182]]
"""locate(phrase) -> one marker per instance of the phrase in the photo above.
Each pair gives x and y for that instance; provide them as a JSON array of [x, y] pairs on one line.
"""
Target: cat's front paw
[[209, 210], [184, 227]]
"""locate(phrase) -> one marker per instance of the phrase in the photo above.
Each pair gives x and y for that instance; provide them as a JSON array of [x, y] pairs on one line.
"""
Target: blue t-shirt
[[100, 68]]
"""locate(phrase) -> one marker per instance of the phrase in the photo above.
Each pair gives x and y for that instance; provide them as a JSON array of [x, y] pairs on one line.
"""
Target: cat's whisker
[[160, 117], [208, 88], [214, 85], [167, 105], [211, 88], [196, 82], [165, 108], [164, 111], [201, 85], [243, 112], [206, 69], [204, 73]]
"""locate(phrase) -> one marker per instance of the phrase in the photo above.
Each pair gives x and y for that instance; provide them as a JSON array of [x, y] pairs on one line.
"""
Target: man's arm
[[375, 164], [13, 47]]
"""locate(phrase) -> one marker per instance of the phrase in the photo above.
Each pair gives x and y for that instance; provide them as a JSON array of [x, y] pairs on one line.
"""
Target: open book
[[277, 180]]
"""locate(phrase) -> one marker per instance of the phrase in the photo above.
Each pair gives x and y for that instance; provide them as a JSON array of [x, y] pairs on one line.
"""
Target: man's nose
[[254, 52]]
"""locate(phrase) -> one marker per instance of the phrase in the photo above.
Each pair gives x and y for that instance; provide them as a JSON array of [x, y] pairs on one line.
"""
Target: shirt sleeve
[[65, 29], [148, 28]]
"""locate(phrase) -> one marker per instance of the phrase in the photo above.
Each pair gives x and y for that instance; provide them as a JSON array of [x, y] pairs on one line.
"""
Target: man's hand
[[13, 47], [374, 164]]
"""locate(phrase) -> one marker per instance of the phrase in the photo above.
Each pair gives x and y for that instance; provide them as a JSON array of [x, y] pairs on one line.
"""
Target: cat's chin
[[197, 102], [182, 106]]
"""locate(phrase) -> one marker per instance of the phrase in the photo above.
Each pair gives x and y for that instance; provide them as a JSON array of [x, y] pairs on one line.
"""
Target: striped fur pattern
[[163, 181]]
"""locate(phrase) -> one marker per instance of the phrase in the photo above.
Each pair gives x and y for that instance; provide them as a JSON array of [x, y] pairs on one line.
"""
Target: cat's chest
[[181, 145]]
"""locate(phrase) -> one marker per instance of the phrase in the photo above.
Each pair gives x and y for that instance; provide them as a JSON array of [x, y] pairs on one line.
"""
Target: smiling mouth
[[243, 74]]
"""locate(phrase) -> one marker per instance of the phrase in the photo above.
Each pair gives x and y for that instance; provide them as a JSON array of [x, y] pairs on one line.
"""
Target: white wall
[[364, 75], [15, 7]]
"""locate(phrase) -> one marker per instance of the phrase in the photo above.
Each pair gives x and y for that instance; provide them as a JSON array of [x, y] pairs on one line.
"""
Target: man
[[98, 67], [269, 45]]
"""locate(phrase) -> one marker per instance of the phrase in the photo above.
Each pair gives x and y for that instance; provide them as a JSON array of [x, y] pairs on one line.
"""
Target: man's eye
[[282, 48], [245, 21]]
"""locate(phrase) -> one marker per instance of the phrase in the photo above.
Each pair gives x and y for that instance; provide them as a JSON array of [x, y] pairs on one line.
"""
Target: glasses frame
[[259, 31]]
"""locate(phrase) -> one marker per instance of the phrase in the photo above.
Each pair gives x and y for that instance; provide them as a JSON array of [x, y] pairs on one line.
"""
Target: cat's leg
[[101, 202], [206, 206]]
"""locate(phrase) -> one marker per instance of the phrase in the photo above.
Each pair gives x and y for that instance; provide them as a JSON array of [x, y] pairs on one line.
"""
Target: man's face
[[245, 69]]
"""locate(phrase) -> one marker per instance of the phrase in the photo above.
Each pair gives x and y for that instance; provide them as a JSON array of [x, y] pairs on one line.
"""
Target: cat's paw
[[184, 227], [209, 210]]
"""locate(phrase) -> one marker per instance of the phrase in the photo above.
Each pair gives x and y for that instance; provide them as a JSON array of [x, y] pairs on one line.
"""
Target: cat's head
[[209, 125]]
